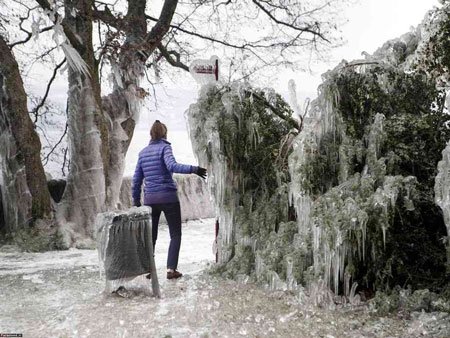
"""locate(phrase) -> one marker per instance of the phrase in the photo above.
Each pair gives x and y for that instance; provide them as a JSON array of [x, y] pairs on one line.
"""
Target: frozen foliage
[[124, 244], [239, 134], [360, 178], [357, 182]]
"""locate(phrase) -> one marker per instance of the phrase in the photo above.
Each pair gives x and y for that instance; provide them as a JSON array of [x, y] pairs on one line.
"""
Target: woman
[[156, 164]]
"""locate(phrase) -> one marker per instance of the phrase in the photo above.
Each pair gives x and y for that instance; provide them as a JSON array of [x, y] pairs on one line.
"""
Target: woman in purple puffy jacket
[[155, 166]]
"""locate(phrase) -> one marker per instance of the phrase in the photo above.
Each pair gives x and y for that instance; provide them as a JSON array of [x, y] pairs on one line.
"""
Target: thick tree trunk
[[121, 132], [26, 194], [85, 192]]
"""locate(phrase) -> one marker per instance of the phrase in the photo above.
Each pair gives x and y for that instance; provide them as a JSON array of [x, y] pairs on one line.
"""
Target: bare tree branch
[[46, 159], [29, 36], [160, 29], [307, 29], [108, 18], [35, 111], [173, 62]]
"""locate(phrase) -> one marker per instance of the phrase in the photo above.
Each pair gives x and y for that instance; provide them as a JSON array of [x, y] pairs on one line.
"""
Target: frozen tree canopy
[[349, 202]]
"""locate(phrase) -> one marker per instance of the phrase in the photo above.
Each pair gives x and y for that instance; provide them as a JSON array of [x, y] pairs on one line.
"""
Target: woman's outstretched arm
[[172, 164]]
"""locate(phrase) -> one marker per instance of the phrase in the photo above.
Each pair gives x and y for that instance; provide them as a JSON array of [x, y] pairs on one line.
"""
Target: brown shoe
[[174, 274]]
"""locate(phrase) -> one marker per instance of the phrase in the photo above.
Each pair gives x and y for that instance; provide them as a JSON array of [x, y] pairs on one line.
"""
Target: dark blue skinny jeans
[[172, 213]]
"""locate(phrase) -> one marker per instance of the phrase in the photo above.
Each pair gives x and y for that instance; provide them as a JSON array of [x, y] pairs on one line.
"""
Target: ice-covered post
[[206, 72]]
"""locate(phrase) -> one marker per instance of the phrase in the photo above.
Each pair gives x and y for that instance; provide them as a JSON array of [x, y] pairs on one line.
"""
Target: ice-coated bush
[[241, 135], [350, 200]]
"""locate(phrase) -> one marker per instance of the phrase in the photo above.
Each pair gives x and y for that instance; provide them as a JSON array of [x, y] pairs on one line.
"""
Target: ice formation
[[15, 195], [124, 244], [353, 185], [237, 136], [85, 192], [442, 191]]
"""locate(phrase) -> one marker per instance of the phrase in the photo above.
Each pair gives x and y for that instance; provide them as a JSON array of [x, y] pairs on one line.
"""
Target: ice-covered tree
[[372, 203], [124, 39]]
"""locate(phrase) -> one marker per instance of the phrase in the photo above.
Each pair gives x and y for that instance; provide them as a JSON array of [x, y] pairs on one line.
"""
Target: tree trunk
[[26, 194], [121, 131], [85, 192]]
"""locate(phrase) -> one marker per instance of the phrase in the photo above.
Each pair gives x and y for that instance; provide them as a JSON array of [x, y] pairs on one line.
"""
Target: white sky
[[370, 24]]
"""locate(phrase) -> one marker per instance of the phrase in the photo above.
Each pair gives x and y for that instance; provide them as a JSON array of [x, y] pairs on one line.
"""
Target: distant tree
[[123, 38]]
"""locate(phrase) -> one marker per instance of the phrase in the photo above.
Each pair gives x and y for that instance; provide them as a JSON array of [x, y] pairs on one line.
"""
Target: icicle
[[36, 27], [352, 296], [293, 96]]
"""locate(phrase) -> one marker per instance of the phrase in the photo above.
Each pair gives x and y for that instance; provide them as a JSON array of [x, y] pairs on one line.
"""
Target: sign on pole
[[205, 71]]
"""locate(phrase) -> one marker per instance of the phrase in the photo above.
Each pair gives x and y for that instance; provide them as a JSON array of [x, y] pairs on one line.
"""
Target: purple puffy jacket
[[156, 164]]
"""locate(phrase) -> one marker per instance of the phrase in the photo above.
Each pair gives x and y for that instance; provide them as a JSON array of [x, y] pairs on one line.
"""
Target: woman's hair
[[158, 130]]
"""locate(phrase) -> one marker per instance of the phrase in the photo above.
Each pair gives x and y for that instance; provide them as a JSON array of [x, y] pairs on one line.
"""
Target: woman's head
[[158, 130]]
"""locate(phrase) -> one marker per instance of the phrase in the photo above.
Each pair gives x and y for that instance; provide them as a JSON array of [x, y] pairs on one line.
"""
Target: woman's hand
[[201, 172]]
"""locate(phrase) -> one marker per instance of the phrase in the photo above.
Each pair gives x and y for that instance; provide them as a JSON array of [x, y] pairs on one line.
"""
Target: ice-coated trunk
[[442, 193], [25, 194], [122, 122], [85, 192], [122, 108], [16, 197]]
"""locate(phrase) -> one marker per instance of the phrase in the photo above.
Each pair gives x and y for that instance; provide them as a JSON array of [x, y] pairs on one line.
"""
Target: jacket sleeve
[[137, 182], [172, 164]]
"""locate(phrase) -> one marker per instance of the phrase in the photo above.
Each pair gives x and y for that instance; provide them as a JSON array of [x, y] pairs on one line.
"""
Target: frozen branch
[[292, 122], [67, 30]]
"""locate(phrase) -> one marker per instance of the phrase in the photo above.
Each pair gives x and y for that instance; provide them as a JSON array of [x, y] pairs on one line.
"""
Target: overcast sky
[[370, 24]]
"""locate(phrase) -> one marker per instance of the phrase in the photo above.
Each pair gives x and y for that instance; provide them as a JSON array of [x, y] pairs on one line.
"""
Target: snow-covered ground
[[60, 294]]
